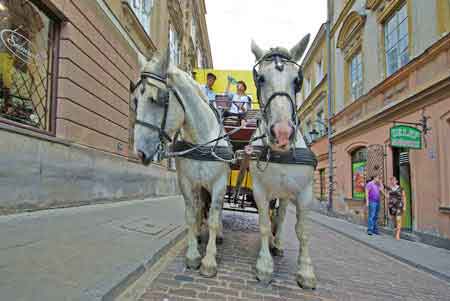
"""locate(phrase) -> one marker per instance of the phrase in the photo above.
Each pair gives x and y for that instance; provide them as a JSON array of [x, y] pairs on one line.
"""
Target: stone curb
[[390, 254], [134, 275]]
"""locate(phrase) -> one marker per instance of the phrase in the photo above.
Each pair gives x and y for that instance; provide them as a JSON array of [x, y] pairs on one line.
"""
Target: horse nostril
[[141, 156], [272, 132]]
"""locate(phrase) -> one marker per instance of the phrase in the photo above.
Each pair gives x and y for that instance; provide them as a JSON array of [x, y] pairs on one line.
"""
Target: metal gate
[[376, 167]]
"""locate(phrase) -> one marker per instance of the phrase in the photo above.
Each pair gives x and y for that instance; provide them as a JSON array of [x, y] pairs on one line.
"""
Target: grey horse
[[160, 113], [277, 80]]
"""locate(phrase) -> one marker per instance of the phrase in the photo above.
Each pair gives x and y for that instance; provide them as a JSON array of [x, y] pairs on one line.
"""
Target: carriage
[[239, 195]]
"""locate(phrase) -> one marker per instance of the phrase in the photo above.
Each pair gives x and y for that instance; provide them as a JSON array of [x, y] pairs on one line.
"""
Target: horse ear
[[257, 51], [298, 50]]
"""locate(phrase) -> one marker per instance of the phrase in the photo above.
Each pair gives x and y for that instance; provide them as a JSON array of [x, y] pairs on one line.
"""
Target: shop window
[[26, 64], [143, 10], [396, 40], [359, 161], [356, 76]]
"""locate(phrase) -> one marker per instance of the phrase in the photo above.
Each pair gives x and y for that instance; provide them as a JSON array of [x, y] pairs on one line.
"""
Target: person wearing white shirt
[[240, 102]]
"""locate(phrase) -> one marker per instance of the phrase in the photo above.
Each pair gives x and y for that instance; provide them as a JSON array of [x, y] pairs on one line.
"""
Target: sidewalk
[[428, 258], [85, 253]]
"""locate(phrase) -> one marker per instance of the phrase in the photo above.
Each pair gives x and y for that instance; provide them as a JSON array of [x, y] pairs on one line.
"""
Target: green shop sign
[[406, 136]]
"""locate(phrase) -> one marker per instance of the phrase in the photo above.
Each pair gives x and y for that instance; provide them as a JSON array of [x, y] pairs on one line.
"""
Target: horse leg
[[219, 239], [209, 264], [193, 256], [264, 264], [305, 274], [277, 245]]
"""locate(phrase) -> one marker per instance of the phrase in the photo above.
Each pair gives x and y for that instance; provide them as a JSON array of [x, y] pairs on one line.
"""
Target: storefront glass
[[26, 67], [359, 161]]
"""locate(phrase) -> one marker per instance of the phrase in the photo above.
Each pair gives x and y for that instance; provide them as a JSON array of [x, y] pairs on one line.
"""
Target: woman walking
[[396, 205]]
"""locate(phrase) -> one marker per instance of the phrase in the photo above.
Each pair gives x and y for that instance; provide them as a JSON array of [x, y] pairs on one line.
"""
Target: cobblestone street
[[345, 269]]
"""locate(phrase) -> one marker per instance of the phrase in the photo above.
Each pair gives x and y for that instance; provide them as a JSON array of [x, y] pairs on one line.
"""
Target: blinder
[[162, 99]]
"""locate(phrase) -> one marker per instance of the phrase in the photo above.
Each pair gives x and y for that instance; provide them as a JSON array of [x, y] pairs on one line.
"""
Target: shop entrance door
[[402, 171]]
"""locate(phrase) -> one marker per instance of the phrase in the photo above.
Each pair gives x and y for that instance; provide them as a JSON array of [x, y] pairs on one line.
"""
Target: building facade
[[390, 65], [65, 122], [313, 110]]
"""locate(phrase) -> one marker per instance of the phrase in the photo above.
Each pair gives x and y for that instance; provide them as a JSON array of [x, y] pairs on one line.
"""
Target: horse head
[[278, 78], [157, 117]]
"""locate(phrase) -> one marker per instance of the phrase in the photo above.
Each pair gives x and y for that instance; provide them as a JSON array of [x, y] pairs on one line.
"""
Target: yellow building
[[390, 66]]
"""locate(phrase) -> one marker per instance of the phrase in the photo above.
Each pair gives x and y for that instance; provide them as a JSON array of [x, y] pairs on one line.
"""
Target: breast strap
[[300, 156], [202, 153]]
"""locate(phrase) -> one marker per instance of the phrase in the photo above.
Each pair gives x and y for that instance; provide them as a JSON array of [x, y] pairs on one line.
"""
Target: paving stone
[[345, 270]]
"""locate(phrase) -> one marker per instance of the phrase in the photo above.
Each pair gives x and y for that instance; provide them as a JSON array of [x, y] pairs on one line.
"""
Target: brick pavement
[[345, 269]]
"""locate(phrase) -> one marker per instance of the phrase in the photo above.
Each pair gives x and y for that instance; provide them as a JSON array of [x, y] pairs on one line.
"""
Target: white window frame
[[356, 76], [319, 71], [143, 11], [194, 29], [396, 40]]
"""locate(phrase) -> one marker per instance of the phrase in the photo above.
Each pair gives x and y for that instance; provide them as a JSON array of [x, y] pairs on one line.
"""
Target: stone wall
[[40, 173]]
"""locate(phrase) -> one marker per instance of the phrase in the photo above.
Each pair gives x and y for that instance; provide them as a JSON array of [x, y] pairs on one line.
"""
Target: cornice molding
[[372, 4], [350, 29]]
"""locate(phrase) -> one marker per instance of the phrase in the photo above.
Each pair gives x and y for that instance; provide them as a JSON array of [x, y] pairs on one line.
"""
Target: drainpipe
[[330, 111]]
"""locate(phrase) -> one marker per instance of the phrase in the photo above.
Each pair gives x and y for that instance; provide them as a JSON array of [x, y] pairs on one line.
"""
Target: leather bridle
[[162, 99], [279, 59]]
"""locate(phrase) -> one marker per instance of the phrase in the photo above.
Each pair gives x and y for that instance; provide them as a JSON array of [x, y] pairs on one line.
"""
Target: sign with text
[[406, 136]]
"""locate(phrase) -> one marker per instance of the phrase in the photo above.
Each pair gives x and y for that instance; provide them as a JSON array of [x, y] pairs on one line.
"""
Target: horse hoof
[[219, 240], [276, 252], [264, 278], [193, 264], [308, 283], [208, 271]]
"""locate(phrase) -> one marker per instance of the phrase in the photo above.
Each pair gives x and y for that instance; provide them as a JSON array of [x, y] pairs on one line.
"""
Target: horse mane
[[189, 80]]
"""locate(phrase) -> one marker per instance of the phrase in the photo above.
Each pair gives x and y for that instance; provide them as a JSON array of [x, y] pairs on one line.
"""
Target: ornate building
[[65, 71], [391, 97]]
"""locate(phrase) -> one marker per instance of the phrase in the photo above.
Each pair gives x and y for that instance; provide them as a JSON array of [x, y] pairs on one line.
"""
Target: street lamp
[[314, 133]]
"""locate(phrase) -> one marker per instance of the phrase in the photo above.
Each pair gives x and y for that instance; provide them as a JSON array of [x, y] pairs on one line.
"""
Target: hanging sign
[[406, 136]]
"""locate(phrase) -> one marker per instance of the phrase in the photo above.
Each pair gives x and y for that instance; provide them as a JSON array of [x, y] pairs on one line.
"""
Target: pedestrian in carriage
[[207, 88], [240, 102]]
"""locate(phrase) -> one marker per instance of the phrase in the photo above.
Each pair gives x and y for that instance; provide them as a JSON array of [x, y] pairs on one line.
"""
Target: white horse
[[168, 100], [278, 79]]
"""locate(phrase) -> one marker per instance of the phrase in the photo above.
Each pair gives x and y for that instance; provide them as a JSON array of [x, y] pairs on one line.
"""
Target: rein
[[278, 58], [163, 99]]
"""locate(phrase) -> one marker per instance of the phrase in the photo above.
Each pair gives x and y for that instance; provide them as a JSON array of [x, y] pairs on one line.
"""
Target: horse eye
[[261, 79]]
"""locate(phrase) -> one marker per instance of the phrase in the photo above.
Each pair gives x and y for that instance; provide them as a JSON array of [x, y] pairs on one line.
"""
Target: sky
[[232, 24]]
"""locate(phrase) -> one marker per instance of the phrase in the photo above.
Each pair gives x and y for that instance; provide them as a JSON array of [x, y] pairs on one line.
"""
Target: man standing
[[207, 89], [373, 195]]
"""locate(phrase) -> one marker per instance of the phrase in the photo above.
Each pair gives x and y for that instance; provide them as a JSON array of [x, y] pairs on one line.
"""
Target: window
[[319, 71], [308, 129], [26, 64], [199, 58], [359, 161], [194, 30], [307, 90], [396, 40], [320, 123], [356, 76], [143, 10], [174, 46]]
